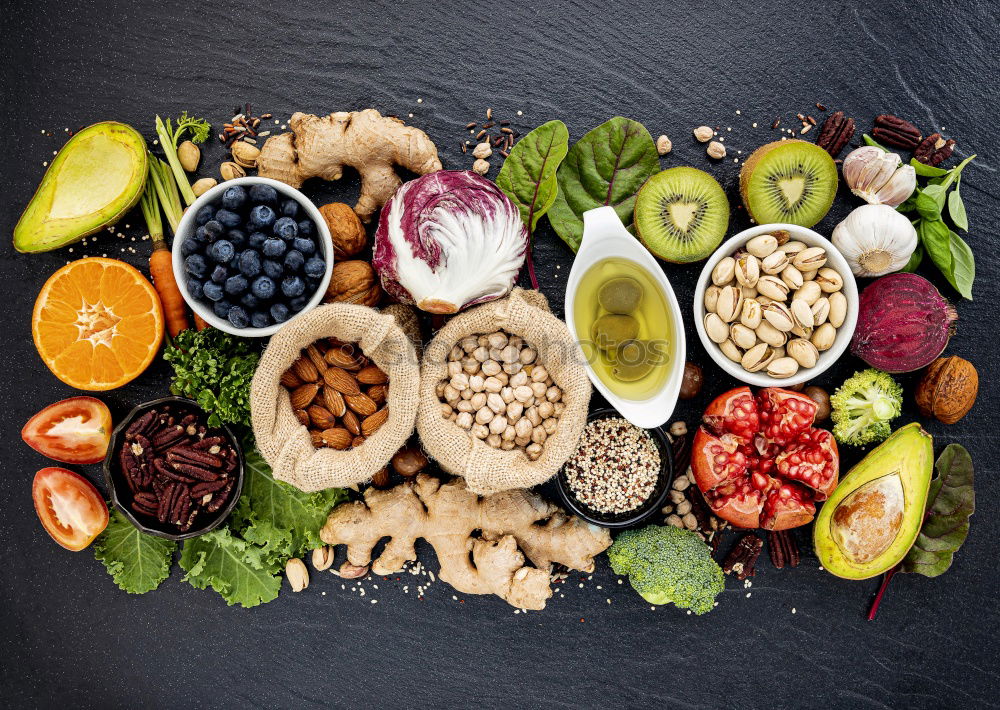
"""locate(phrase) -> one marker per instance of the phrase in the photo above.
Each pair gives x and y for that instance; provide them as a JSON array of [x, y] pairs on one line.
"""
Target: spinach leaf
[[963, 266], [605, 167], [528, 175], [956, 209]]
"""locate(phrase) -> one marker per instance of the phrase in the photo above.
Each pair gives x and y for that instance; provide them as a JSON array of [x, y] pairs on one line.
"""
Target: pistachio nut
[[297, 574], [824, 336], [778, 315], [730, 350], [781, 235], [200, 187], [829, 280], [716, 328], [772, 287], [792, 248], [245, 154], [801, 313], [748, 291], [744, 337], [804, 352], [231, 171], [770, 335], [724, 271], [774, 263], [189, 156], [810, 259], [821, 311], [779, 352], [322, 558], [711, 298], [764, 300], [747, 270], [757, 357], [838, 308], [809, 275], [801, 331], [792, 277], [810, 292], [730, 303], [750, 314], [782, 367], [762, 246]]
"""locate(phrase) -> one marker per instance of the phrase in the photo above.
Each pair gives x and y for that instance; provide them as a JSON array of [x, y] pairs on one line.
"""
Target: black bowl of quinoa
[[620, 475]]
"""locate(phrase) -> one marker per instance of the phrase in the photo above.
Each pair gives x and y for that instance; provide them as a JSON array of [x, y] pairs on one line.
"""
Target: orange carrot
[[199, 322], [161, 268]]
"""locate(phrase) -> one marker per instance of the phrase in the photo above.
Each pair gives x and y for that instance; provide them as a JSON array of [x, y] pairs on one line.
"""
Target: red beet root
[[903, 323]]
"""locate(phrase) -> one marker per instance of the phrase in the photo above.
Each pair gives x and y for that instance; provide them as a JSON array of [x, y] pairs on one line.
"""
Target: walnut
[[346, 230], [353, 282], [948, 389]]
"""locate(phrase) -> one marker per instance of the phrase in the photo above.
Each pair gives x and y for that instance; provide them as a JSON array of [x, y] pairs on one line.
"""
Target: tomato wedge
[[74, 430], [71, 509]]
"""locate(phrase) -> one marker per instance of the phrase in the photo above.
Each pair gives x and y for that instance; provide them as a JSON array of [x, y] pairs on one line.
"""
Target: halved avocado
[[95, 179], [874, 516]]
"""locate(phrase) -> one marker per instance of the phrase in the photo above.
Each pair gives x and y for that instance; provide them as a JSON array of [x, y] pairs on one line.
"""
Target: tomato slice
[[71, 509], [74, 430]]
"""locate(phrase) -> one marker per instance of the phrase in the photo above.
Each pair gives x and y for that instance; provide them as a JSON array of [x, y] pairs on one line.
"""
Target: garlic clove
[[899, 187], [878, 177], [875, 240]]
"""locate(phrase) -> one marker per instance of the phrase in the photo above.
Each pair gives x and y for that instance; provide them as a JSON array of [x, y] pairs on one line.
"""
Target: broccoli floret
[[864, 405], [668, 565]]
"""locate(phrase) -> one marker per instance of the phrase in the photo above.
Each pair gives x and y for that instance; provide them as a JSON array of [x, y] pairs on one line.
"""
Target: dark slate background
[[72, 638]]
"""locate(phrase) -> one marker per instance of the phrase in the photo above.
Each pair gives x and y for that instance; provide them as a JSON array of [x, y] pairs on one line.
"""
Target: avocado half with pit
[[95, 179], [874, 516]]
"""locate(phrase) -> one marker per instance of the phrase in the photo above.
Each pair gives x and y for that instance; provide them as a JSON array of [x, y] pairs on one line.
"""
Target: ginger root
[[447, 515], [365, 140]]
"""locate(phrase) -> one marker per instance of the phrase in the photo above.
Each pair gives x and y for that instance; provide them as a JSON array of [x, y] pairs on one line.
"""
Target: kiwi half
[[681, 214], [788, 181]]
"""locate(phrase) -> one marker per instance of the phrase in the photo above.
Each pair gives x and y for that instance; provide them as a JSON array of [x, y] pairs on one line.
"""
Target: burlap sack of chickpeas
[[285, 443], [487, 469]]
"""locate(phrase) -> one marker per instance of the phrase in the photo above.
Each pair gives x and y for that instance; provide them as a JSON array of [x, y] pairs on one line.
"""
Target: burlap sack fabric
[[485, 469], [285, 444]]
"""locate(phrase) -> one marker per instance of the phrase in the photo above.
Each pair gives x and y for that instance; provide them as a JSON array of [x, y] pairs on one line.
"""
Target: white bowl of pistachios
[[776, 305]]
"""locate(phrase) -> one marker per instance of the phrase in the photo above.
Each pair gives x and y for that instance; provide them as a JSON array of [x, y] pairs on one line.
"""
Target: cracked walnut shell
[[948, 389]]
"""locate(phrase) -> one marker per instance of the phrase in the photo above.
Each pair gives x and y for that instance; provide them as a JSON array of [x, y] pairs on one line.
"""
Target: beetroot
[[903, 323]]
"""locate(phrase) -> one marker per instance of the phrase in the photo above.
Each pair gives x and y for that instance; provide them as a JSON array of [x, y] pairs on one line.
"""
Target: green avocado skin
[[99, 156]]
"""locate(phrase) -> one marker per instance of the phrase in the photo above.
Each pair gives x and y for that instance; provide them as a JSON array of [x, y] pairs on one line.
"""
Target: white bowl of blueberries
[[251, 254]]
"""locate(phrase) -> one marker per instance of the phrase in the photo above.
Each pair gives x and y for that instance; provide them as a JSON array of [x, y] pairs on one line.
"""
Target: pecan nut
[[783, 549], [896, 132], [742, 558], [934, 150], [835, 133]]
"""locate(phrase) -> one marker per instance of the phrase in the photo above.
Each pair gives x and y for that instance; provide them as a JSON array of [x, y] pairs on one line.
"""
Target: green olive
[[634, 360], [620, 295], [610, 331]]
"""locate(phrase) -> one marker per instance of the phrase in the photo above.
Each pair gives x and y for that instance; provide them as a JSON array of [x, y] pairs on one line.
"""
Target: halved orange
[[97, 323]]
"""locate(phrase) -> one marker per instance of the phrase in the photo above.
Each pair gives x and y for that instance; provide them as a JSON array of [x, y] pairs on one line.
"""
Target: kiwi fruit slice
[[681, 214], [788, 181], [620, 295]]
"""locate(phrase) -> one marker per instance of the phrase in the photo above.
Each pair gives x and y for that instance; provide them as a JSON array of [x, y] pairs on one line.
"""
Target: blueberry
[[189, 247], [257, 240], [237, 237], [297, 304], [305, 246], [315, 267], [250, 301], [274, 247], [279, 311], [238, 317], [261, 217], [289, 208], [195, 265], [195, 288], [263, 287], [263, 195], [219, 274], [274, 269], [286, 228], [294, 260], [235, 285], [228, 219], [199, 235], [213, 291], [250, 263], [306, 228], [213, 229], [234, 198], [293, 286], [260, 319], [221, 308], [204, 214], [222, 251]]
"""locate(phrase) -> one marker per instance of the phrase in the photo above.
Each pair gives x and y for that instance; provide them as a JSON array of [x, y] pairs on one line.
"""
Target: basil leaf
[[956, 209], [871, 141], [915, 258], [936, 238], [528, 175], [950, 503], [927, 170], [927, 205], [963, 266], [910, 204], [605, 167]]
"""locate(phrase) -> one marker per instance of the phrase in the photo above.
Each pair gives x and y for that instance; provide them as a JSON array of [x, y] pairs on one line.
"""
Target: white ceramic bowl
[[835, 260], [187, 226]]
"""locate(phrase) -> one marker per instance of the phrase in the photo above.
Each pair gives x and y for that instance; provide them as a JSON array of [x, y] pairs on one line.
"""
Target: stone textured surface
[[70, 636]]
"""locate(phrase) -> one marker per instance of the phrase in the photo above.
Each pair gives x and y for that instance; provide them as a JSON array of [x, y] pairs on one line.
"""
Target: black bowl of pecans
[[620, 475], [170, 473]]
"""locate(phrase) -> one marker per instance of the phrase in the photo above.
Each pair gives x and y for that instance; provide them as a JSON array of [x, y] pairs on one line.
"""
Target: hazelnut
[[691, 382], [948, 389], [822, 400]]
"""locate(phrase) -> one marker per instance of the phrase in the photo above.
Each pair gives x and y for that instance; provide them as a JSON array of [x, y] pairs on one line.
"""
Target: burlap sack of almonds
[[487, 469], [285, 443]]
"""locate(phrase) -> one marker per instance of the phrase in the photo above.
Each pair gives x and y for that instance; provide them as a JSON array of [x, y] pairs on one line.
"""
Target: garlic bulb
[[875, 240], [877, 177]]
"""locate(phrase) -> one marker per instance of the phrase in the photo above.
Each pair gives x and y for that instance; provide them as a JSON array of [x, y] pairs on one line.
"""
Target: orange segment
[[97, 323]]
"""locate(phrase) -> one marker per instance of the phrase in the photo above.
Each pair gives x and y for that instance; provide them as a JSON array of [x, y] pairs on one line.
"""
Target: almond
[[334, 401], [351, 422], [303, 417], [341, 380], [371, 424], [381, 478], [321, 417], [357, 441], [305, 370], [341, 357], [337, 438], [316, 357], [289, 380], [378, 393], [316, 437], [362, 404], [372, 375], [303, 396]]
